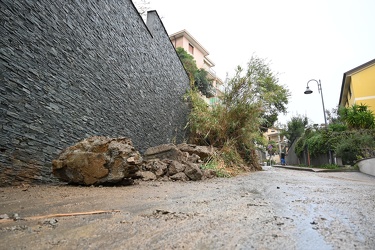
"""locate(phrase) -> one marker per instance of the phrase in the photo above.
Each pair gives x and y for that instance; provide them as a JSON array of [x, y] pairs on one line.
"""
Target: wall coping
[[367, 166]]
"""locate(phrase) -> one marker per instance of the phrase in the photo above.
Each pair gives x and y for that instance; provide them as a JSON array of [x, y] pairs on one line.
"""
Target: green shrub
[[355, 145], [357, 117], [253, 98], [316, 144]]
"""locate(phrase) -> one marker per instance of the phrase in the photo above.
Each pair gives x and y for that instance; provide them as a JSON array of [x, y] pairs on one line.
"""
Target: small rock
[[209, 173], [194, 158], [4, 217], [174, 167], [146, 175], [131, 160], [160, 211], [51, 222], [179, 177], [159, 168], [193, 171], [16, 216]]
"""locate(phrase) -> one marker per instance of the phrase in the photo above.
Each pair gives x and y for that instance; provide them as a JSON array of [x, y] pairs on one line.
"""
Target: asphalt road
[[271, 209]]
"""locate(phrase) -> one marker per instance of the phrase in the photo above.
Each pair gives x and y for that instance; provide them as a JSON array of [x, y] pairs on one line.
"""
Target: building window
[[191, 49]]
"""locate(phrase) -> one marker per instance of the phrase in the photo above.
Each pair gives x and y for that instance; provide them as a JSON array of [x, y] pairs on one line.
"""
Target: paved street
[[271, 209]]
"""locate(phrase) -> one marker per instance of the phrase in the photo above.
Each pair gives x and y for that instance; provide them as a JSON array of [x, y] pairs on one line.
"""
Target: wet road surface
[[271, 209]]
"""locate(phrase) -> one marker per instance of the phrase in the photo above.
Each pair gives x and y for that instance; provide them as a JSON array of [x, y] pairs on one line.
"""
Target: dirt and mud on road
[[271, 209]]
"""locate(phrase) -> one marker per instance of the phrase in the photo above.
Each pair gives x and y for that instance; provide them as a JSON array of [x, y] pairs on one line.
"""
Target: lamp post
[[309, 91]]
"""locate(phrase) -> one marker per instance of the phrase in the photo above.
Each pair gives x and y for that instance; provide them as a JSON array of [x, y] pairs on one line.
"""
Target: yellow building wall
[[363, 88], [371, 104], [350, 97]]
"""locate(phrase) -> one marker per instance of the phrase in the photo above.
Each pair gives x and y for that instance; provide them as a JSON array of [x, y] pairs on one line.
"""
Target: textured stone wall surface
[[74, 69]]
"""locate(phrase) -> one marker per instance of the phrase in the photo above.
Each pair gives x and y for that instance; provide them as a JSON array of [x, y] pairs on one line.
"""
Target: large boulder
[[98, 160], [204, 152]]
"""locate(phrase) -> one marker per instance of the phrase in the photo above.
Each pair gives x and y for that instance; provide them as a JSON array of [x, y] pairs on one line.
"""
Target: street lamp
[[309, 91]]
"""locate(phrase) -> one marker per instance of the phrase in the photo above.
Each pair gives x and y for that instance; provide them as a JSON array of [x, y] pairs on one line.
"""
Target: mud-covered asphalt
[[271, 209]]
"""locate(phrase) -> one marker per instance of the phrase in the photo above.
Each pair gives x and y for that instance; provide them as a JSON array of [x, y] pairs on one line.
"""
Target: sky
[[300, 39]]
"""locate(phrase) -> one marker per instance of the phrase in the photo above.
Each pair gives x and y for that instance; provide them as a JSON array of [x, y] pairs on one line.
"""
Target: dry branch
[[63, 215]]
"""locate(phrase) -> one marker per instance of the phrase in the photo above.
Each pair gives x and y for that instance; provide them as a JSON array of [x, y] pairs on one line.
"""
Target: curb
[[316, 170]]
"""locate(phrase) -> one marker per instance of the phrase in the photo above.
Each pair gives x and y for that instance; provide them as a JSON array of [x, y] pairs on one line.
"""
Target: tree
[[234, 126], [188, 62], [202, 83], [198, 77], [295, 128], [335, 122], [259, 85]]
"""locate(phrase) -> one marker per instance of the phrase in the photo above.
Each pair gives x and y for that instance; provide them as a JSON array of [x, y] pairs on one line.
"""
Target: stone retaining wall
[[74, 69], [367, 166]]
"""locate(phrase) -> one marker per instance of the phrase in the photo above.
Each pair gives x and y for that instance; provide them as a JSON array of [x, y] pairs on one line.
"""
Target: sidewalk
[[315, 169]]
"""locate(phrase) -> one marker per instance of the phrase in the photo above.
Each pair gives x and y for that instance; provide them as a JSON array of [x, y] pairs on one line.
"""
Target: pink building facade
[[186, 41]]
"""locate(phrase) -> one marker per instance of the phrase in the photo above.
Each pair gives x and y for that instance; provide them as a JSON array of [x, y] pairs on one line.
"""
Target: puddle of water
[[304, 217]]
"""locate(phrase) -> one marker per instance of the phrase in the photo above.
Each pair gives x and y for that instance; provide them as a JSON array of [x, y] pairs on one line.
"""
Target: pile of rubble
[[100, 160]]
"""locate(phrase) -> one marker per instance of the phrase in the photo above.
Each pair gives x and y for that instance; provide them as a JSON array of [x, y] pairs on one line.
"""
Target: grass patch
[[218, 167], [328, 166], [302, 165]]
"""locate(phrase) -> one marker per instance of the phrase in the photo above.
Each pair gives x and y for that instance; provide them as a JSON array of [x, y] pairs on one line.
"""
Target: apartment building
[[274, 134], [358, 86], [186, 41]]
